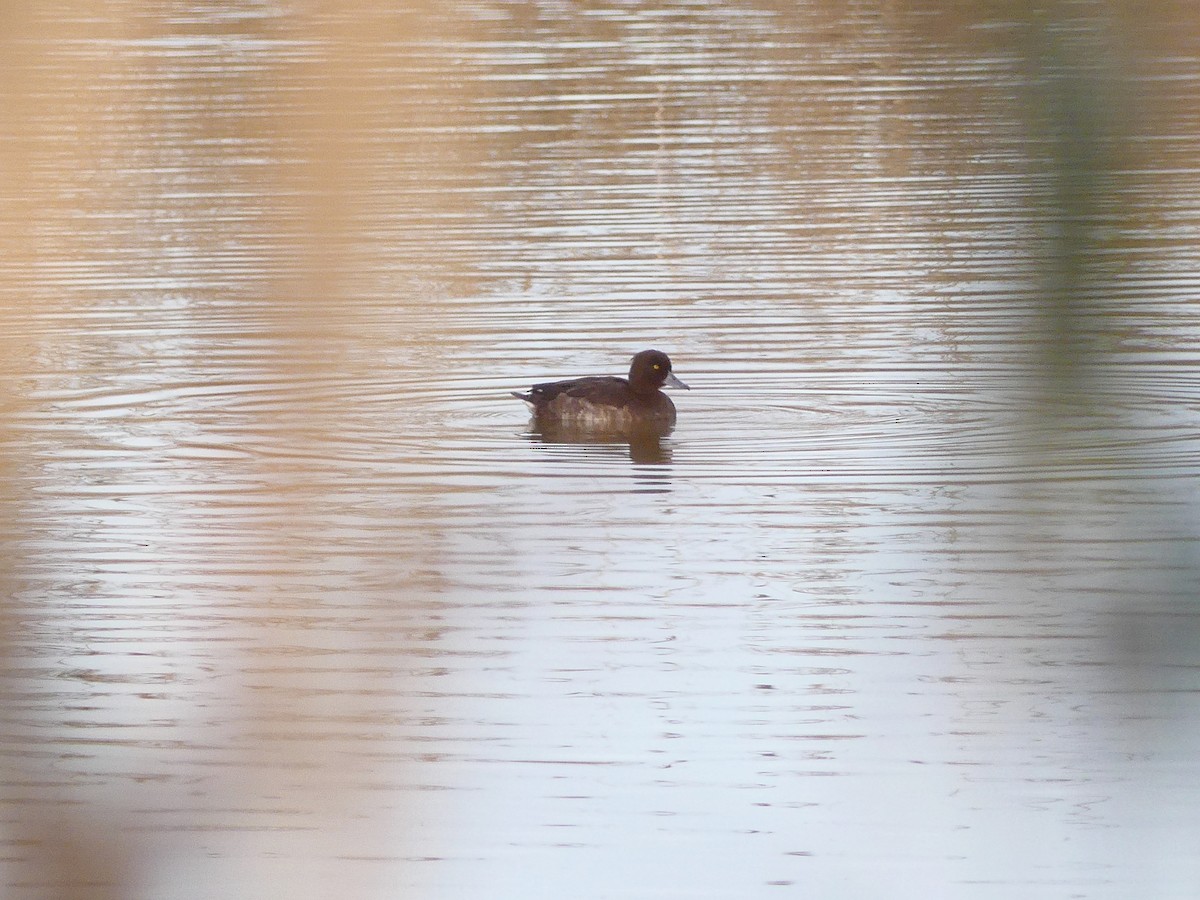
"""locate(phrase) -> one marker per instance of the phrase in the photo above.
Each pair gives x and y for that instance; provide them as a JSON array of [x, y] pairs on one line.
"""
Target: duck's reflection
[[646, 446]]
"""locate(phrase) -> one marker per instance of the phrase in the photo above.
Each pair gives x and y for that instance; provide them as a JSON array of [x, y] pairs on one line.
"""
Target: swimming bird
[[608, 403]]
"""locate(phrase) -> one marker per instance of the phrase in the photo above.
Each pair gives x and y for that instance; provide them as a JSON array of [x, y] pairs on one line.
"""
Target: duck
[[607, 403]]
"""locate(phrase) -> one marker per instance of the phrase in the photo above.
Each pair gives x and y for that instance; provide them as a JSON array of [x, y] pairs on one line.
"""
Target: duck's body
[[608, 403]]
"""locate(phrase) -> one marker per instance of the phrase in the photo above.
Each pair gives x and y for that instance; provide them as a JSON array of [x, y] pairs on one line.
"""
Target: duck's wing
[[605, 390]]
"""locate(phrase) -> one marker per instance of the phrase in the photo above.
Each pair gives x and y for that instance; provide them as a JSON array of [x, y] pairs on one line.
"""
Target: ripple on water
[[284, 555]]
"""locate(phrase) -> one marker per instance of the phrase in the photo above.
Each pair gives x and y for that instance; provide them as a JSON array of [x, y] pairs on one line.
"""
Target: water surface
[[298, 602]]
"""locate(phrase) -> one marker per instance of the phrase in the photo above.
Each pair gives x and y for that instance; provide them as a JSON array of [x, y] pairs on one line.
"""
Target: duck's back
[[603, 390], [601, 402]]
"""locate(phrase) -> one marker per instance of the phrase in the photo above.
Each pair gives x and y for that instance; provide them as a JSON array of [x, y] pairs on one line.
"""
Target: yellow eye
[[657, 367]]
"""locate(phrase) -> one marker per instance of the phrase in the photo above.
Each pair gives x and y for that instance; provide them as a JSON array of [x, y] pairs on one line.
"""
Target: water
[[297, 603]]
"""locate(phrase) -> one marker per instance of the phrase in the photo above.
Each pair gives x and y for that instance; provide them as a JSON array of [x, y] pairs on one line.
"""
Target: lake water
[[297, 602]]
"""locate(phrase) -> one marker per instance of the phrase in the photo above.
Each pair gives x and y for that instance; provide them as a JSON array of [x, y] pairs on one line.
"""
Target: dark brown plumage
[[608, 403]]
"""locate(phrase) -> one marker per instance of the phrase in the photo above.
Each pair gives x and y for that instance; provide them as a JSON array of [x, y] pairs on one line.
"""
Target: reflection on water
[[647, 446], [299, 603]]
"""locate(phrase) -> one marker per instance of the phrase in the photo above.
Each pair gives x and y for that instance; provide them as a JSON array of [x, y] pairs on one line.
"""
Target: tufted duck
[[608, 403]]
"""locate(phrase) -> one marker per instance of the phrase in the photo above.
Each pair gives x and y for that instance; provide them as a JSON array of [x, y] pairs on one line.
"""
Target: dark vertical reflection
[[1101, 128]]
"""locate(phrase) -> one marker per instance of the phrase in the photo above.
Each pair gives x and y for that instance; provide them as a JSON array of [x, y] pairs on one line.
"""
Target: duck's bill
[[672, 381]]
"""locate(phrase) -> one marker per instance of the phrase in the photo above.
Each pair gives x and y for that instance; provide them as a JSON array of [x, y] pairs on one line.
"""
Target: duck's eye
[[657, 367]]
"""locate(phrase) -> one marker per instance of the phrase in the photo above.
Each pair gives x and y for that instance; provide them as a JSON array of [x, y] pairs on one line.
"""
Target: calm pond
[[298, 603]]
